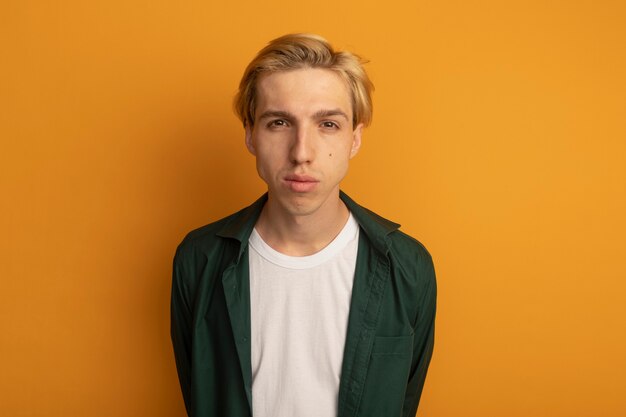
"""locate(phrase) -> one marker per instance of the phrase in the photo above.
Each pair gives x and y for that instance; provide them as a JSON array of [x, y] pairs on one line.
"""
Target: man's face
[[303, 137]]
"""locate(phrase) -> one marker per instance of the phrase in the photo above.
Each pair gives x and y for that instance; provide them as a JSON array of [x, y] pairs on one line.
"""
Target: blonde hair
[[304, 50]]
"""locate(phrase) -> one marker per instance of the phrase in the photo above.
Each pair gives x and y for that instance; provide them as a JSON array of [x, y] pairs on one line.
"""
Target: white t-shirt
[[299, 317]]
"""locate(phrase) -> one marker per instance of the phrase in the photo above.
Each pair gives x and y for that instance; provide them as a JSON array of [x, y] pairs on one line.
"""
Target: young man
[[304, 303]]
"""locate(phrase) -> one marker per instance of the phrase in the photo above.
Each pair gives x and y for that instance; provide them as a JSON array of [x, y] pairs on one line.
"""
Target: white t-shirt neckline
[[335, 247]]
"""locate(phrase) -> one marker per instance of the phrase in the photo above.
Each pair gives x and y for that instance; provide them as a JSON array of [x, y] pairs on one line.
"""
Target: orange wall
[[499, 140]]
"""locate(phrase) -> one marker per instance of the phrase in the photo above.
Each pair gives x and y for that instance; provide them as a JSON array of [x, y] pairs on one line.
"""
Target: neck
[[301, 235]]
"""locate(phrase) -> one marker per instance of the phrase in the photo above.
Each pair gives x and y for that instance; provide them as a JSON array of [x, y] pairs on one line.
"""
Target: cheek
[[267, 164], [260, 170], [339, 167]]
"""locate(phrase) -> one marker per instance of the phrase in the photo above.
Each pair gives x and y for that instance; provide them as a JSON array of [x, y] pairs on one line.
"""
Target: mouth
[[300, 183], [300, 178]]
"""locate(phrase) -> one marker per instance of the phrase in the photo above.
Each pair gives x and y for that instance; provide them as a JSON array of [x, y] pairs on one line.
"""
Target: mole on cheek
[[330, 154]]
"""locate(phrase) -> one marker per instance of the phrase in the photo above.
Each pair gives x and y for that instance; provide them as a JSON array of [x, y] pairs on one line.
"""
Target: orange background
[[498, 140]]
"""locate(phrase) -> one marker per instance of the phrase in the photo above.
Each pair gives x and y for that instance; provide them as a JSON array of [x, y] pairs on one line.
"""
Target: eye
[[277, 123], [330, 125]]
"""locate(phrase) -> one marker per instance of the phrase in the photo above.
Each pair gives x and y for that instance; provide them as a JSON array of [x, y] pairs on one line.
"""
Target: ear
[[356, 140], [249, 141]]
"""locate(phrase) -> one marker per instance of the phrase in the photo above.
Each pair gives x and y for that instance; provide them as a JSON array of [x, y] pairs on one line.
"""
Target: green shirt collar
[[375, 227]]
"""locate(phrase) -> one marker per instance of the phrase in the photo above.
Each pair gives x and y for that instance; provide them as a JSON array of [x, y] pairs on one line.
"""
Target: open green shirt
[[390, 335]]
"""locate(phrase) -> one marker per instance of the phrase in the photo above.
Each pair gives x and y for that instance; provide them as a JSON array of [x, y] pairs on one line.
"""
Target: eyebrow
[[328, 113], [317, 115], [276, 113]]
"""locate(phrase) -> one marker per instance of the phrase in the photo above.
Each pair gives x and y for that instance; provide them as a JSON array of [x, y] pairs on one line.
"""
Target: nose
[[302, 147]]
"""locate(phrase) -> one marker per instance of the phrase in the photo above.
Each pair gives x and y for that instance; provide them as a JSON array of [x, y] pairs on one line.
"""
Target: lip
[[300, 178], [300, 183]]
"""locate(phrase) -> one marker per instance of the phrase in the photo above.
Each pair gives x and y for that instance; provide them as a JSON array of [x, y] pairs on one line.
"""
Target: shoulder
[[204, 236], [203, 254], [206, 244], [385, 234], [407, 248], [413, 268], [198, 244], [412, 257], [234, 227]]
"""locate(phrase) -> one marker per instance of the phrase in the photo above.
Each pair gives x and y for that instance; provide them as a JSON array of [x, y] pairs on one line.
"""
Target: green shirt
[[390, 335]]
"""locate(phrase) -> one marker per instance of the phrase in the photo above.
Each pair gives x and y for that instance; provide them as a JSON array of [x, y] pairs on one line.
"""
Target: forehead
[[303, 90]]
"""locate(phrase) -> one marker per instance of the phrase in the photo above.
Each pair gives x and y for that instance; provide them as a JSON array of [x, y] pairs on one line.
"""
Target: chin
[[299, 205]]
